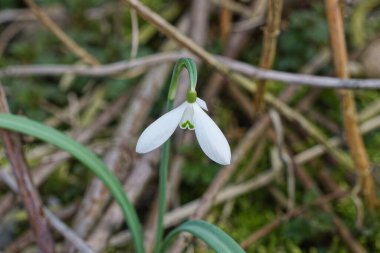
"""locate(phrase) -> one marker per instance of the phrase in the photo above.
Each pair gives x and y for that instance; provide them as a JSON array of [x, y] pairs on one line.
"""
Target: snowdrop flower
[[189, 115]]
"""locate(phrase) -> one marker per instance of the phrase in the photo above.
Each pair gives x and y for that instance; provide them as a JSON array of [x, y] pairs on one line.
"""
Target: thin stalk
[[26, 189], [271, 32], [354, 139], [162, 191], [163, 174]]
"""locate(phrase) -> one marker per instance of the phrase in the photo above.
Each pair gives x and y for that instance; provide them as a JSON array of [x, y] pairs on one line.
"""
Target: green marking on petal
[[187, 124]]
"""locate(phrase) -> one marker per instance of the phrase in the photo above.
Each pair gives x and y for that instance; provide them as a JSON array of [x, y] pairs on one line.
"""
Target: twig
[[61, 35], [25, 15], [148, 61], [299, 79], [93, 71], [135, 34], [271, 32], [225, 18], [28, 193], [200, 13], [284, 156], [354, 139], [358, 21], [67, 232], [20, 243], [8, 34], [234, 6]]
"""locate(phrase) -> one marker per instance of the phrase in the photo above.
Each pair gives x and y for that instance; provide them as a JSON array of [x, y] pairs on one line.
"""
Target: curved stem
[[163, 174], [189, 64]]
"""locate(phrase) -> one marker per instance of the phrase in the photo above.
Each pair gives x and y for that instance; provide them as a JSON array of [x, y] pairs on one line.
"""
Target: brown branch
[[60, 34], [353, 136], [28, 193], [299, 79], [153, 60], [234, 7], [271, 32]]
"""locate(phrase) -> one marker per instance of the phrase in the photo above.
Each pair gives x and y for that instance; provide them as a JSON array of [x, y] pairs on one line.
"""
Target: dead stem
[[353, 136], [271, 32], [169, 57], [26, 190]]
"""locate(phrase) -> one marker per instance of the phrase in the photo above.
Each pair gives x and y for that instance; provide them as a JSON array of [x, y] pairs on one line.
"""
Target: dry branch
[[354, 139], [271, 32], [28, 193], [149, 61]]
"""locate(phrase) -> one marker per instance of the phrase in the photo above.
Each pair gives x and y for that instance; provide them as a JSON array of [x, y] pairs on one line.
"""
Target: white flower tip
[[140, 149], [223, 157], [211, 138], [226, 160], [202, 104]]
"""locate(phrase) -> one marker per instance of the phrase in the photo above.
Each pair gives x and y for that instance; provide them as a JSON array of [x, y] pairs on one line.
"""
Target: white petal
[[202, 104], [210, 138], [160, 130]]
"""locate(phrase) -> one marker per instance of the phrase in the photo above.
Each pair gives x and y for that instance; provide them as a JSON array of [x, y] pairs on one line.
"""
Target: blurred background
[[285, 193]]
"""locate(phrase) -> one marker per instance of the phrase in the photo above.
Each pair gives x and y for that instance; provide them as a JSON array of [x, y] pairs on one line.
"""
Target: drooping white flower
[[191, 116]]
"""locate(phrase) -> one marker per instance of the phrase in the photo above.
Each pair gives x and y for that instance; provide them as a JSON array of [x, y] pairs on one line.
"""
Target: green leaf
[[50, 135], [213, 236]]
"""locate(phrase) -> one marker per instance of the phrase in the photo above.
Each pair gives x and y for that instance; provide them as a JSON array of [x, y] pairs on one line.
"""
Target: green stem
[[163, 174], [162, 188], [189, 64]]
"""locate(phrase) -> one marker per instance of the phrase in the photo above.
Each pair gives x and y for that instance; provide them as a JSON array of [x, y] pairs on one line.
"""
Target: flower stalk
[[353, 136], [189, 115], [163, 173]]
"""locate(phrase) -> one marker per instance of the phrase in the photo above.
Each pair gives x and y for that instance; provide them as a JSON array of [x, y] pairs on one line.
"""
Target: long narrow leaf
[[213, 236], [47, 134]]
